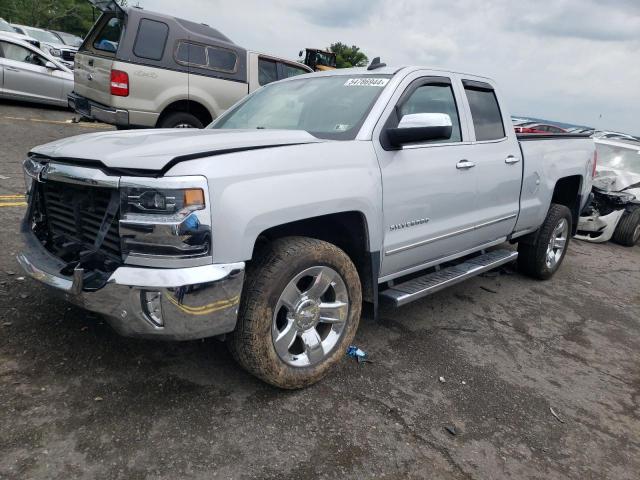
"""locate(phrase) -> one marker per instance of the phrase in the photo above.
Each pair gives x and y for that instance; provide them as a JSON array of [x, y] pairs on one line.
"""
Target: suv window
[[434, 98], [18, 53], [108, 38], [151, 39], [221, 59], [191, 54], [267, 71], [289, 70], [487, 118]]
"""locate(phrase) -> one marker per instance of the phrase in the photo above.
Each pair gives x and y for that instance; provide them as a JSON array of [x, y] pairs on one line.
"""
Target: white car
[[28, 73], [7, 29], [50, 43], [614, 212]]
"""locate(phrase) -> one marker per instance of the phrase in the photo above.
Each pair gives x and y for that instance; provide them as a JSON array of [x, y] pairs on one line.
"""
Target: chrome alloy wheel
[[557, 243], [310, 316]]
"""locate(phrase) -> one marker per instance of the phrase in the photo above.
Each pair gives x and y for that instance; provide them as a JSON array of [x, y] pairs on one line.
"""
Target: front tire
[[627, 231], [299, 312], [542, 258]]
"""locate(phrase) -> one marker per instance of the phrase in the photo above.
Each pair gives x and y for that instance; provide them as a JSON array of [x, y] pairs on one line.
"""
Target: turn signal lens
[[194, 197]]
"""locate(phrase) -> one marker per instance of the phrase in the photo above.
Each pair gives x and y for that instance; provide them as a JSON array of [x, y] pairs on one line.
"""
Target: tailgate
[[92, 77]]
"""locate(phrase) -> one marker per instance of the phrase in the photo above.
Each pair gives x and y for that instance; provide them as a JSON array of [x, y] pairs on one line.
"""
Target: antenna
[[375, 63]]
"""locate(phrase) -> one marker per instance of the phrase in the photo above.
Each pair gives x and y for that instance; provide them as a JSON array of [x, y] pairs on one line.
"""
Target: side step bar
[[411, 290]]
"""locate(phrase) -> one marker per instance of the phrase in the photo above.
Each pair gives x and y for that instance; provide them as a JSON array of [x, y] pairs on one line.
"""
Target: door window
[[267, 71], [434, 98], [287, 70], [151, 39], [21, 54], [485, 111]]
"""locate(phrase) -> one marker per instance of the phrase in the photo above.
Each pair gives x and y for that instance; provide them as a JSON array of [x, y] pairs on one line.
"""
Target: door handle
[[511, 160], [464, 165], [11, 69]]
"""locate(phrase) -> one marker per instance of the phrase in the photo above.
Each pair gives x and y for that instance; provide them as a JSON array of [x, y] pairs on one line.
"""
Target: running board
[[411, 290]]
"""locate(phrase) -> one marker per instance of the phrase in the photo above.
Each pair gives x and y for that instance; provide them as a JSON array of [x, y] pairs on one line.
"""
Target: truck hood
[[156, 149]]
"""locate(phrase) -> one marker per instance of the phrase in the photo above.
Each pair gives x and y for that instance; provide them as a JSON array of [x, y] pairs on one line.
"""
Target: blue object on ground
[[358, 354]]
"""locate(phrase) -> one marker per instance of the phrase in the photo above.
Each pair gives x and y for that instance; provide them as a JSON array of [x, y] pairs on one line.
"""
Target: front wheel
[[299, 312], [542, 258], [180, 120], [627, 231]]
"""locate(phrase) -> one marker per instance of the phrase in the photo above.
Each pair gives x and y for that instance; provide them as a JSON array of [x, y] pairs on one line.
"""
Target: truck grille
[[75, 213], [68, 55]]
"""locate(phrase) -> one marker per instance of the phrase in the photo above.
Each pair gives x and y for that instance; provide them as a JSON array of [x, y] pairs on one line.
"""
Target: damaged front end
[[602, 215]]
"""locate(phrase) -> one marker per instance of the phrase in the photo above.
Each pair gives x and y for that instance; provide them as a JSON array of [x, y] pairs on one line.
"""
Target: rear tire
[[627, 231], [180, 120], [542, 258], [291, 336]]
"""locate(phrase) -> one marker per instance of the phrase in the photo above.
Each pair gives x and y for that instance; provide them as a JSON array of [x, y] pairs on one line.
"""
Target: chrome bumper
[[96, 111], [175, 304]]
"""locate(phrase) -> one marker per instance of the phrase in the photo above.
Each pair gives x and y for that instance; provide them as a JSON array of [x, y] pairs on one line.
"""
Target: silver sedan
[[27, 73]]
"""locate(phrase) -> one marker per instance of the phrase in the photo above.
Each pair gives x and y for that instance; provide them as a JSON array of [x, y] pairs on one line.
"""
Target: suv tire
[[299, 312], [180, 120], [627, 231], [543, 257]]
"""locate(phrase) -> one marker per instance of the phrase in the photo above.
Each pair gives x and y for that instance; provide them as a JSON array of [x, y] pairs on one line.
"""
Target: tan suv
[[138, 68]]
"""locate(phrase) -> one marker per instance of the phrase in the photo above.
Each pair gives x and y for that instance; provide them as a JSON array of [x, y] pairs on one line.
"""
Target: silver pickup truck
[[305, 200]]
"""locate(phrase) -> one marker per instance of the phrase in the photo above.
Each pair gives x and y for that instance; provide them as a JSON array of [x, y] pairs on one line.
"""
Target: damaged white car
[[613, 212]]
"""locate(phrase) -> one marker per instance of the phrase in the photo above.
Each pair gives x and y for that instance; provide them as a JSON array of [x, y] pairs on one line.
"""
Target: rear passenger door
[[498, 163]]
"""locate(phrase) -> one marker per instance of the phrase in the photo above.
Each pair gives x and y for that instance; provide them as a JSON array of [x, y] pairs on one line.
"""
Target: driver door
[[26, 77], [429, 189]]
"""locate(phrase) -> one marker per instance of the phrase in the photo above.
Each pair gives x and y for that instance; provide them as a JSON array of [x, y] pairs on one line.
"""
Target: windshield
[[42, 35], [323, 58], [327, 107], [619, 158], [70, 39], [5, 27]]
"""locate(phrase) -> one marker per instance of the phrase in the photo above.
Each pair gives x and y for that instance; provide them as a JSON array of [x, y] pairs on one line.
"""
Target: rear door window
[[108, 37], [151, 39], [18, 53], [267, 71], [485, 111]]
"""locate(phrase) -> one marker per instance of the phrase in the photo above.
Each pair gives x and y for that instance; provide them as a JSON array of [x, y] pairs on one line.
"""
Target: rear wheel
[[542, 258], [180, 120], [627, 231], [299, 312]]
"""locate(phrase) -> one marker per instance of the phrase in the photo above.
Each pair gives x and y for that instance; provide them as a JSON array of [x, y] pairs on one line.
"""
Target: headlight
[[55, 52], [165, 220]]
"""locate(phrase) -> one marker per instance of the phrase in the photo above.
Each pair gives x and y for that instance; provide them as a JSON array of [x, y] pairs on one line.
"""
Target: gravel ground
[[78, 401]]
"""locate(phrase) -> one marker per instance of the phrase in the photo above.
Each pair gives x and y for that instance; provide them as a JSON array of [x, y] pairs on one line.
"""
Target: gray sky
[[575, 61]]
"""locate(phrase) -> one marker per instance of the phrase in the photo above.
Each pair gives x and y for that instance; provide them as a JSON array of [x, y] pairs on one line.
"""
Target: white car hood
[[611, 180], [154, 149]]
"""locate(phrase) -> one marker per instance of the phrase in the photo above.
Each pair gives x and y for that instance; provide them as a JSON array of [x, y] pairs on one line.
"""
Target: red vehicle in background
[[537, 127]]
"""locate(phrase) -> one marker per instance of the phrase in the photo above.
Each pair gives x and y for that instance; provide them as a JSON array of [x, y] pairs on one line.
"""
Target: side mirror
[[421, 127], [50, 66]]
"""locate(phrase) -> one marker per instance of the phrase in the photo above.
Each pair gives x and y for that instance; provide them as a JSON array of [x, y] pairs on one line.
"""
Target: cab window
[[267, 71], [485, 111], [287, 70]]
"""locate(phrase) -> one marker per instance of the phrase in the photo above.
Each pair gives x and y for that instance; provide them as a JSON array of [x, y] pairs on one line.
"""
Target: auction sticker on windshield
[[366, 82]]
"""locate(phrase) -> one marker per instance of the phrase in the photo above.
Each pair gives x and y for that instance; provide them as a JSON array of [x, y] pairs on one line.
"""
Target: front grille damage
[[79, 225]]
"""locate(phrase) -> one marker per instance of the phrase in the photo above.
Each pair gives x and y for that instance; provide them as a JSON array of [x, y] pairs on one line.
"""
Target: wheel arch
[[567, 192], [193, 107]]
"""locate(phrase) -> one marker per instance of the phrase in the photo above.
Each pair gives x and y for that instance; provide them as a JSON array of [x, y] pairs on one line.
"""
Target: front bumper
[[96, 111], [188, 303], [597, 228]]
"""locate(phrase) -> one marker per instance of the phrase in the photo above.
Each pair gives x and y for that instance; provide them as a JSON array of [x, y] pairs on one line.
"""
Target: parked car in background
[[614, 210], [613, 135], [28, 73], [536, 127], [50, 43], [7, 29], [138, 68], [68, 38]]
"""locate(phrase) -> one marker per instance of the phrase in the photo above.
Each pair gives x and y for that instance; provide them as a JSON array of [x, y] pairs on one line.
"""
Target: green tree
[[73, 16], [347, 57]]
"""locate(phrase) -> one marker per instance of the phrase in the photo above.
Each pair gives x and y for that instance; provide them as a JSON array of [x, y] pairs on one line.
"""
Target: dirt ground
[[78, 401]]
